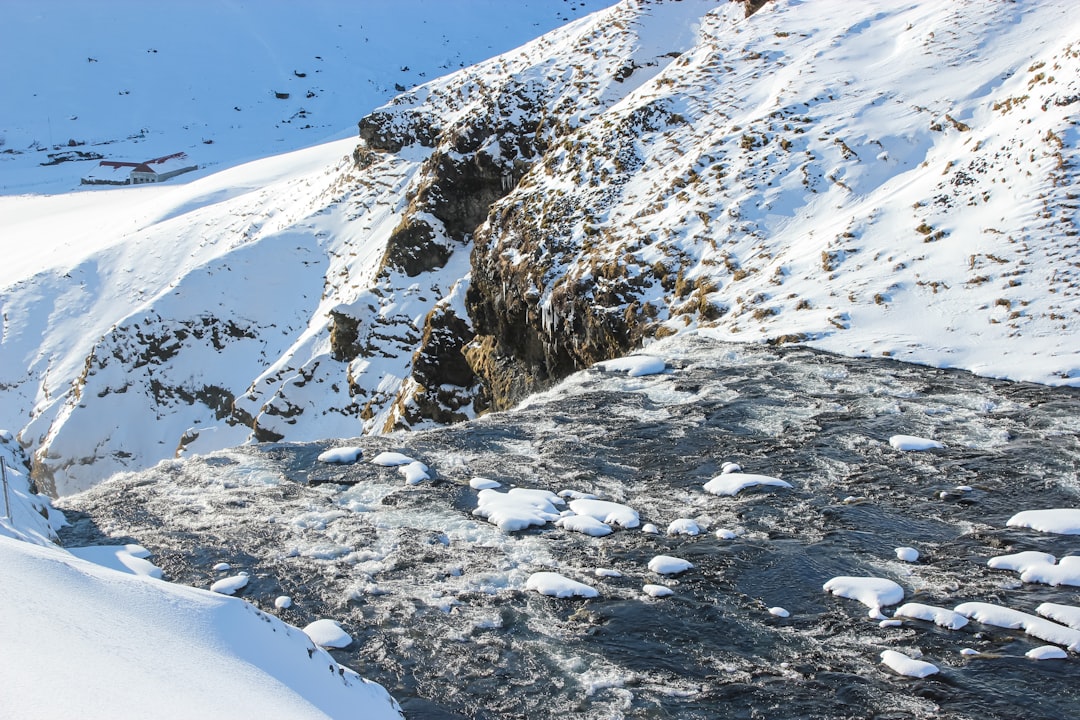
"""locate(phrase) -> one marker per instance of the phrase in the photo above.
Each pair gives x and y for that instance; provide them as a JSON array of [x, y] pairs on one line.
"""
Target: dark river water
[[435, 597]]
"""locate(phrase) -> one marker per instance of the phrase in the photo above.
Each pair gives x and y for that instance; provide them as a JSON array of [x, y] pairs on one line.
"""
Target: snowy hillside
[[225, 82], [872, 178]]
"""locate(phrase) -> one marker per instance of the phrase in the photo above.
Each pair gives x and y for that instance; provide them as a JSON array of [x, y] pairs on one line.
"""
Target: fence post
[[3, 476]]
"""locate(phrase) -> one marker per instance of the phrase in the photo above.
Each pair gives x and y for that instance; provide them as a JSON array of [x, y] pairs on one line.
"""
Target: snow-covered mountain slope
[[225, 82], [88, 640], [872, 178]]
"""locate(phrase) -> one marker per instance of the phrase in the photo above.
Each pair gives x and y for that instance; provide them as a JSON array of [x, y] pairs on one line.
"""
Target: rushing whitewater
[[459, 618]]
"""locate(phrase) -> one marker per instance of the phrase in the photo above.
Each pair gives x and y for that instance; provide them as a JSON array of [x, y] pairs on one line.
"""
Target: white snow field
[[116, 645]]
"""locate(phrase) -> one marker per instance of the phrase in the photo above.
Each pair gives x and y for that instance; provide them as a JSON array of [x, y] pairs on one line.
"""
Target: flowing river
[[436, 600]]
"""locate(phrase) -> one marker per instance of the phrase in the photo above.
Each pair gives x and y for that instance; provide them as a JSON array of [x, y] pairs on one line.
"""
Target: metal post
[[3, 476]]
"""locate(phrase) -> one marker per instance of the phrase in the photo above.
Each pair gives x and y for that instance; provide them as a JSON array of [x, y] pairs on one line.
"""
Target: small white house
[[121, 172]]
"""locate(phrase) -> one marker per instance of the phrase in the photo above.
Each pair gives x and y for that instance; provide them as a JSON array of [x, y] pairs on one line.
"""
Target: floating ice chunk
[[907, 554], [668, 565], [657, 591], [328, 634], [612, 513], [942, 617], [1062, 521], [725, 534], [733, 483], [650, 529], [229, 585], [342, 455], [1066, 572], [1021, 561], [607, 572], [911, 442], [584, 524], [415, 472], [129, 558], [283, 602], [730, 467], [479, 483], [222, 567], [517, 509], [874, 593], [634, 365], [904, 665], [556, 585], [391, 459], [779, 612], [1064, 614], [1035, 626], [1047, 652], [683, 526]]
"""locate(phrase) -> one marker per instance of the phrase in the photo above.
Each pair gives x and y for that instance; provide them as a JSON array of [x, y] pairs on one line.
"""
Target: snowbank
[[146, 648]]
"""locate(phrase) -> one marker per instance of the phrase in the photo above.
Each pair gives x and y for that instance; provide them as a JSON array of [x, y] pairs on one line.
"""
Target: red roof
[[143, 166]]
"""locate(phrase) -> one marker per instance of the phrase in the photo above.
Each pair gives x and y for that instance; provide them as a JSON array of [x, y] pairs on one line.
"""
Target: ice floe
[[903, 665], [939, 616], [606, 511], [634, 365], [341, 455], [327, 634], [657, 591], [517, 509], [913, 443], [669, 565], [874, 593], [733, 483], [1033, 625], [556, 585], [1061, 521]]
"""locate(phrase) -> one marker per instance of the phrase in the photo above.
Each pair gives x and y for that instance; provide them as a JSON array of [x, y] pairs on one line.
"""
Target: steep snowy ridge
[[810, 174], [870, 178]]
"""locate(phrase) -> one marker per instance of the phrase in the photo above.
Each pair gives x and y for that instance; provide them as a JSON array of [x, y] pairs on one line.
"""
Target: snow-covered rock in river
[[1062, 521], [733, 483], [874, 593], [556, 585], [905, 665], [327, 633]]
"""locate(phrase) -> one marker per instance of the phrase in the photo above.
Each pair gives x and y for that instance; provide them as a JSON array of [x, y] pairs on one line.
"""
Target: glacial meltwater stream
[[436, 599]]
